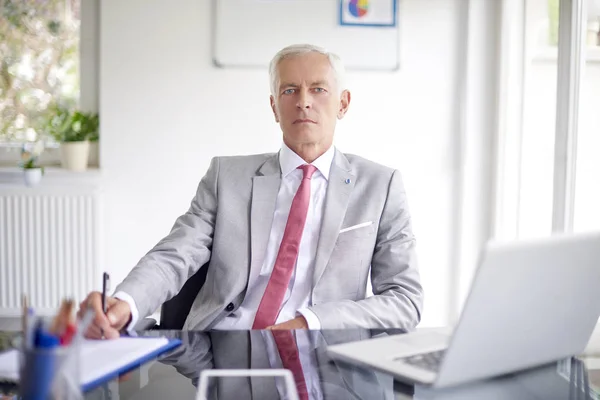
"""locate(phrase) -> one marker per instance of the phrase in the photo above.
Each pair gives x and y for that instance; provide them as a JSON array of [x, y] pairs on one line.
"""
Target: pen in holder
[[49, 365], [50, 356], [50, 373]]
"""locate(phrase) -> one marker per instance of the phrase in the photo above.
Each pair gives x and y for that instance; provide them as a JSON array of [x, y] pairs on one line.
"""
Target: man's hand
[[296, 323], [117, 316]]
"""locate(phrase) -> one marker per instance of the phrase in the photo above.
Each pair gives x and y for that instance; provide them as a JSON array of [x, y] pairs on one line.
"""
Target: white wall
[[166, 111]]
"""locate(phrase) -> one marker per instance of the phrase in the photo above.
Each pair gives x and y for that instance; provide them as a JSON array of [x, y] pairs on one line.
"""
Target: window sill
[[550, 54], [53, 176]]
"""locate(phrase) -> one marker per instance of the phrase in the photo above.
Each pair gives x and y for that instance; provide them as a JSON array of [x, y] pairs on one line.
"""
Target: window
[[535, 152], [586, 215], [548, 22], [539, 118], [39, 67]]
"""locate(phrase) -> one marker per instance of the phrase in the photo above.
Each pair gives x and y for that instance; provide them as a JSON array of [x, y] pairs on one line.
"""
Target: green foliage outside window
[[39, 65]]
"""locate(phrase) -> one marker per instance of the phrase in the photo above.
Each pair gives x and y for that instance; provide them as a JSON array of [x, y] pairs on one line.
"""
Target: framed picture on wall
[[373, 13]]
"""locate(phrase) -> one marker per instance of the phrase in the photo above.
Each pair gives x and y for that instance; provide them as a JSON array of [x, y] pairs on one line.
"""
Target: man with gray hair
[[289, 239]]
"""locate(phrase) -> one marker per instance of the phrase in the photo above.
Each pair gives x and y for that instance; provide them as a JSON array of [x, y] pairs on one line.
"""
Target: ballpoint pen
[[43, 338], [29, 334], [24, 320], [63, 318], [28, 324], [105, 283]]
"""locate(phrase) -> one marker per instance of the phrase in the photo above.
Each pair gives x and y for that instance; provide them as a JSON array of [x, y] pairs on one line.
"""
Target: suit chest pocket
[[350, 257], [357, 235]]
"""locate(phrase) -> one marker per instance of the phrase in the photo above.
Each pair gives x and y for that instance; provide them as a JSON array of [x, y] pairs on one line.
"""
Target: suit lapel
[[265, 187], [339, 187]]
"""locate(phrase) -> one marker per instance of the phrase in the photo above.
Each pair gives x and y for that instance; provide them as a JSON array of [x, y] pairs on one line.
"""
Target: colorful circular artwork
[[358, 8]]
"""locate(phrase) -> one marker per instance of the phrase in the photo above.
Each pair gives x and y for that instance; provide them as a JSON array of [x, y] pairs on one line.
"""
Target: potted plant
[[94, 136], [73, 130], [32, 172]]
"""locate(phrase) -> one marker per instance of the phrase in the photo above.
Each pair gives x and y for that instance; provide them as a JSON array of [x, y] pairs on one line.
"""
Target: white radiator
[[48, 248]]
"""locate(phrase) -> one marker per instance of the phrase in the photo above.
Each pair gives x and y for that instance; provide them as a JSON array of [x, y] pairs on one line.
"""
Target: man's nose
[[304, 100]]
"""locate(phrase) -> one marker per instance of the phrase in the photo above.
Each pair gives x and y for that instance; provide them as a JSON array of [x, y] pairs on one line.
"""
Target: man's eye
[[319, 89], [288, 91]]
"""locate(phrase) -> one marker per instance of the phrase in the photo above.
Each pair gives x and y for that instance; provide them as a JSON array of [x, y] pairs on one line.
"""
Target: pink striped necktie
[[290, 359], [270, 304]]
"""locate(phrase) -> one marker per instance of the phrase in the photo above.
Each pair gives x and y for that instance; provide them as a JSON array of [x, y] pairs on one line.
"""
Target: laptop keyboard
[[429, 361]]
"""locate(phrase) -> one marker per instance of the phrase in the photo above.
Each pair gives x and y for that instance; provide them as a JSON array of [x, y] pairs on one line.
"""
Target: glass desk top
[[176, 374]]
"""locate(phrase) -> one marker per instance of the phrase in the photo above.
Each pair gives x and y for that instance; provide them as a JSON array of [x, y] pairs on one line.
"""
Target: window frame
[[571, 38]]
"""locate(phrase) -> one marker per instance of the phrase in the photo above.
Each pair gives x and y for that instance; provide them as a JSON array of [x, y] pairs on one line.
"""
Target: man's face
[[307, 102]]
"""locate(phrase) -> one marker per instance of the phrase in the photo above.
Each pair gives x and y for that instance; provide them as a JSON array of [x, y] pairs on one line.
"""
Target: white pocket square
[[353, 227]]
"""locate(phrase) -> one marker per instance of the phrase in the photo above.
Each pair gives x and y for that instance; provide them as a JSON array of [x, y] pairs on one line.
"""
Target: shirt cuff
[[311, 319], [134, 311]]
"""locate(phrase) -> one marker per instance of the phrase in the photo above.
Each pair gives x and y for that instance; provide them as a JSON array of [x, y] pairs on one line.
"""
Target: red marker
[[67, 336]]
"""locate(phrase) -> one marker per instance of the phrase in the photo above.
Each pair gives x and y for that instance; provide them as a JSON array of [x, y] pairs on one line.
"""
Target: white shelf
[[53, 177]]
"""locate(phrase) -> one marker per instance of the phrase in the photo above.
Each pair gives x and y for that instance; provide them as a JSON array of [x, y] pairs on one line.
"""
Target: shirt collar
[[289, 161]]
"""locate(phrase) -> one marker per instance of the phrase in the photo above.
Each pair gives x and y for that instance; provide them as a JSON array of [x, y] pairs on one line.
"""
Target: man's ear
[[344, 104], [274, 108]]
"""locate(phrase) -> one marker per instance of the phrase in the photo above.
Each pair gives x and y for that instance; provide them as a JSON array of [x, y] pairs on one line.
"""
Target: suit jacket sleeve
[[163, 271], [192, 357], [398, 294]]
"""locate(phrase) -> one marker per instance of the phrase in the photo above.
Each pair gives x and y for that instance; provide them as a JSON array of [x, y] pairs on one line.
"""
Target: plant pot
[[32, 176], [74, 155], [94, 154]]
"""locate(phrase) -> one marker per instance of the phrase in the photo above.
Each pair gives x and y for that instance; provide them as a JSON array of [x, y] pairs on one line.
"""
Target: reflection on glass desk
[[176, 375]]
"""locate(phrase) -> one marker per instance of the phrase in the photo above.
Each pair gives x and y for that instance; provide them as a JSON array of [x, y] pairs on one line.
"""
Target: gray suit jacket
[[229, 221]]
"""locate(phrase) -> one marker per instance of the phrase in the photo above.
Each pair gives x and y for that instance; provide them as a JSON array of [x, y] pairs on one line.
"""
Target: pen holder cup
[[51, 373]]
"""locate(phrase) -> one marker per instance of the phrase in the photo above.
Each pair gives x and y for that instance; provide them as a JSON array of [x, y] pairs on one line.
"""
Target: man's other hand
[[117, 316], [296, 323]]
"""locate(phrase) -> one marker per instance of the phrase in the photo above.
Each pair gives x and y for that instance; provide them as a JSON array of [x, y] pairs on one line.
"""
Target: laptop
[[531, 303]]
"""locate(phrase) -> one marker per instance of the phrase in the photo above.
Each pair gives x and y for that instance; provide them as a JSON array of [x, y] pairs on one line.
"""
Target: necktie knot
[[308, 170]]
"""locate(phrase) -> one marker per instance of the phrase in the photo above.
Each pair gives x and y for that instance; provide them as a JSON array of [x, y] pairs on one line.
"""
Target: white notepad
[[101, 360], [9, 366]]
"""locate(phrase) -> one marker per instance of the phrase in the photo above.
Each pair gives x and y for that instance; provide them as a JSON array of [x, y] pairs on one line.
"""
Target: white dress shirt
[[298, 294]]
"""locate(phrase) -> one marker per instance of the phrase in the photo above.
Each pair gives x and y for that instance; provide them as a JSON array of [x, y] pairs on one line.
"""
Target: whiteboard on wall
[[248, 33]]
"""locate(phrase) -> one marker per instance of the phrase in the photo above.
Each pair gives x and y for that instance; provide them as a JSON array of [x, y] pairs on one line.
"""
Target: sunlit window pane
[[539, 119], [39, 63]]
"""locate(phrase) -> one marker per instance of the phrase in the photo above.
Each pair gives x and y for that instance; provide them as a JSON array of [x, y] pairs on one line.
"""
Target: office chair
[[174, 312]]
